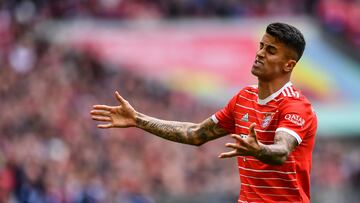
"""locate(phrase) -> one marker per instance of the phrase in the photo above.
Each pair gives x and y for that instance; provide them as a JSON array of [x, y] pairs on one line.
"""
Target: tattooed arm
[[278, 152], [182, 132], [124, 115], [274, 154]]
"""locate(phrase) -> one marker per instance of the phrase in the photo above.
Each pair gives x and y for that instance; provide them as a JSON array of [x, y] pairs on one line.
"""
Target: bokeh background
[[172, 59]]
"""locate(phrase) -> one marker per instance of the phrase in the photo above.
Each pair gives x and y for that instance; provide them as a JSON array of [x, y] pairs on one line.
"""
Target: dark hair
[[289, 35]]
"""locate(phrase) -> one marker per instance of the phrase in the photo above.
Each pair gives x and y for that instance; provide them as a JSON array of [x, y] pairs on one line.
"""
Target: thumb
[[119, 97], [252, 131]]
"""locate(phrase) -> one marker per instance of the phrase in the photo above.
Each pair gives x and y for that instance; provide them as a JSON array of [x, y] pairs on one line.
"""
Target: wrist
[[139, 118], [260, 152]]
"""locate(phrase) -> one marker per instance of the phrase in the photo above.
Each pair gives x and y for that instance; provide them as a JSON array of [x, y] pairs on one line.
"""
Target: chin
[[254, 71]]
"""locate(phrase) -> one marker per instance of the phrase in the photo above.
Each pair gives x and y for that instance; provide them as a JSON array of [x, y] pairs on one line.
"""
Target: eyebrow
[[269, 45], [272, 47]]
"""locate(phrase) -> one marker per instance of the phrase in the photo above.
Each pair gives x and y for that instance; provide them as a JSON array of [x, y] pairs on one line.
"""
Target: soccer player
[[273, 124]]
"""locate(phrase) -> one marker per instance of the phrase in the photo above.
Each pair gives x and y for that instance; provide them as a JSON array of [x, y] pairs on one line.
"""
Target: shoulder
[[249, 93], [294, 100], [292, 95], [249, 90], [252, 88]]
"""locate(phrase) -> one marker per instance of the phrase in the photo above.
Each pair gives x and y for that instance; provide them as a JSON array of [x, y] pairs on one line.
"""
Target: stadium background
[[175, 59]]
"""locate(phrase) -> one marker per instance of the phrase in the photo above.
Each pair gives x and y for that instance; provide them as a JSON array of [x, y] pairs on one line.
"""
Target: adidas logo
[[245, 118]]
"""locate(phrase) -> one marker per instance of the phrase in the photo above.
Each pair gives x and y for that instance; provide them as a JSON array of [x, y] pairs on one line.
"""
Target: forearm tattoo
[[277, 153], [182, 132]]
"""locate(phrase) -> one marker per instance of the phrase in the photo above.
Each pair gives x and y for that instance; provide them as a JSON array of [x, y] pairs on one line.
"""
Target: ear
[[289, 66]]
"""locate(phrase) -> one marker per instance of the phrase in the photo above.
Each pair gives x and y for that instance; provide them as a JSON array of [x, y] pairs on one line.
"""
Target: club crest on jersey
[[267, 119]]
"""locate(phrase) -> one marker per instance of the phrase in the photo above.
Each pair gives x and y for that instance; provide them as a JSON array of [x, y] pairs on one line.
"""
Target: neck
[[268, 88]]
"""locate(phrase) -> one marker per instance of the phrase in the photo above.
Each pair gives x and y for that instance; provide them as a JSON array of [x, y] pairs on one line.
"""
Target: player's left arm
[[274, 154], [277, 153]]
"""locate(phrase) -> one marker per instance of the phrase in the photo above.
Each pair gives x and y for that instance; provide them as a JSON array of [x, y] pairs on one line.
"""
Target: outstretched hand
[[248, 146], [121, 116]]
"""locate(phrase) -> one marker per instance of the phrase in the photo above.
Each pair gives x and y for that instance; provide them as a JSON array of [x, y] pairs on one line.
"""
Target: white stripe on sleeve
[[291, 132], [213, 117]]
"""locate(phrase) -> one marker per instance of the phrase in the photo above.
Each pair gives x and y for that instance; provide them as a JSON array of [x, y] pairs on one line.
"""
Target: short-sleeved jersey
[[286, 110]]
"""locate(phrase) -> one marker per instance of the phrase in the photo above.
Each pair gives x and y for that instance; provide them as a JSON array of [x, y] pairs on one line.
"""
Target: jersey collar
[[274, 95]]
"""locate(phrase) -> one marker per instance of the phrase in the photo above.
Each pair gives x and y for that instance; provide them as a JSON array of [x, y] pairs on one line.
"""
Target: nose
[[260, 53]]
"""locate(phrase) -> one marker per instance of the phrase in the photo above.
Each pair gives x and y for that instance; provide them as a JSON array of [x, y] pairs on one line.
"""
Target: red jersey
[[286, 110]]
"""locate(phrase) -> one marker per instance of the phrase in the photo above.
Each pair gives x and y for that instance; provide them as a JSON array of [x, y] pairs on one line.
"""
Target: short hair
[[289, 35]]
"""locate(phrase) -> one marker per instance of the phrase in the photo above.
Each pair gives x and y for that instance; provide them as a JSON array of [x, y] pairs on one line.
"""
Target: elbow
[[281, 159], [195, 136], [199, 143], [273, 157], [276, 160]]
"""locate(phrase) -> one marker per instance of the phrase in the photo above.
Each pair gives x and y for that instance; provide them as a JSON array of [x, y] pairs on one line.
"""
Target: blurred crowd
[[341, 18], [338, 17], [50, 150], [61, 9]]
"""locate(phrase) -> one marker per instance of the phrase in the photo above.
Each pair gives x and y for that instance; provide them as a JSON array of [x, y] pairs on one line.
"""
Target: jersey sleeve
[[225, 118], [296, 118]]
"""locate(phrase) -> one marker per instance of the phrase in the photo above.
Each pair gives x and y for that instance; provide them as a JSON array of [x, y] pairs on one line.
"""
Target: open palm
[[244, 146], [121, 116]]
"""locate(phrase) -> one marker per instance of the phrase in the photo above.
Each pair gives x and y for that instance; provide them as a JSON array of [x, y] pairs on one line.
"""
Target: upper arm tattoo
[[277, 153], [208, 130], [286, 139]]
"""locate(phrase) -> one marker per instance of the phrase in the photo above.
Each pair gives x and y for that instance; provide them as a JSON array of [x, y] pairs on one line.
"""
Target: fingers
[[233, 153], [243, 145], [101, 118], [236, 146], [228, 154], [232, 145], [104, 126], [99, 113], [252, 131], [237, 137], [119, 97], [102, 107]]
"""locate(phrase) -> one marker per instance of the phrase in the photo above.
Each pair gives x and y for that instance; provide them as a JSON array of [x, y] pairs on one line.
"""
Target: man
[[272, 123]]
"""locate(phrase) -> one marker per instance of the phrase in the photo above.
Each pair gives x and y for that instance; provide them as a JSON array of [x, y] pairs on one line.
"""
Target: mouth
[[258, 62]]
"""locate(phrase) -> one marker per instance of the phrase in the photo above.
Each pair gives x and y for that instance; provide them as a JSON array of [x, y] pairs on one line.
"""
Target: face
[[272, 59]]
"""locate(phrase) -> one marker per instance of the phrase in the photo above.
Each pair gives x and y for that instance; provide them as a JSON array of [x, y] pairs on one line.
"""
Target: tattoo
[[182, 132], [208, 130], [278, 152]]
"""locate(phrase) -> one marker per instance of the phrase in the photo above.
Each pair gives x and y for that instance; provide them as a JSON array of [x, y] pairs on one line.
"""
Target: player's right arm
[[124, 116]]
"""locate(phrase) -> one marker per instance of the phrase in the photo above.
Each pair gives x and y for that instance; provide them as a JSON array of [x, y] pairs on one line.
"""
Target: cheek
[[275, 65]]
